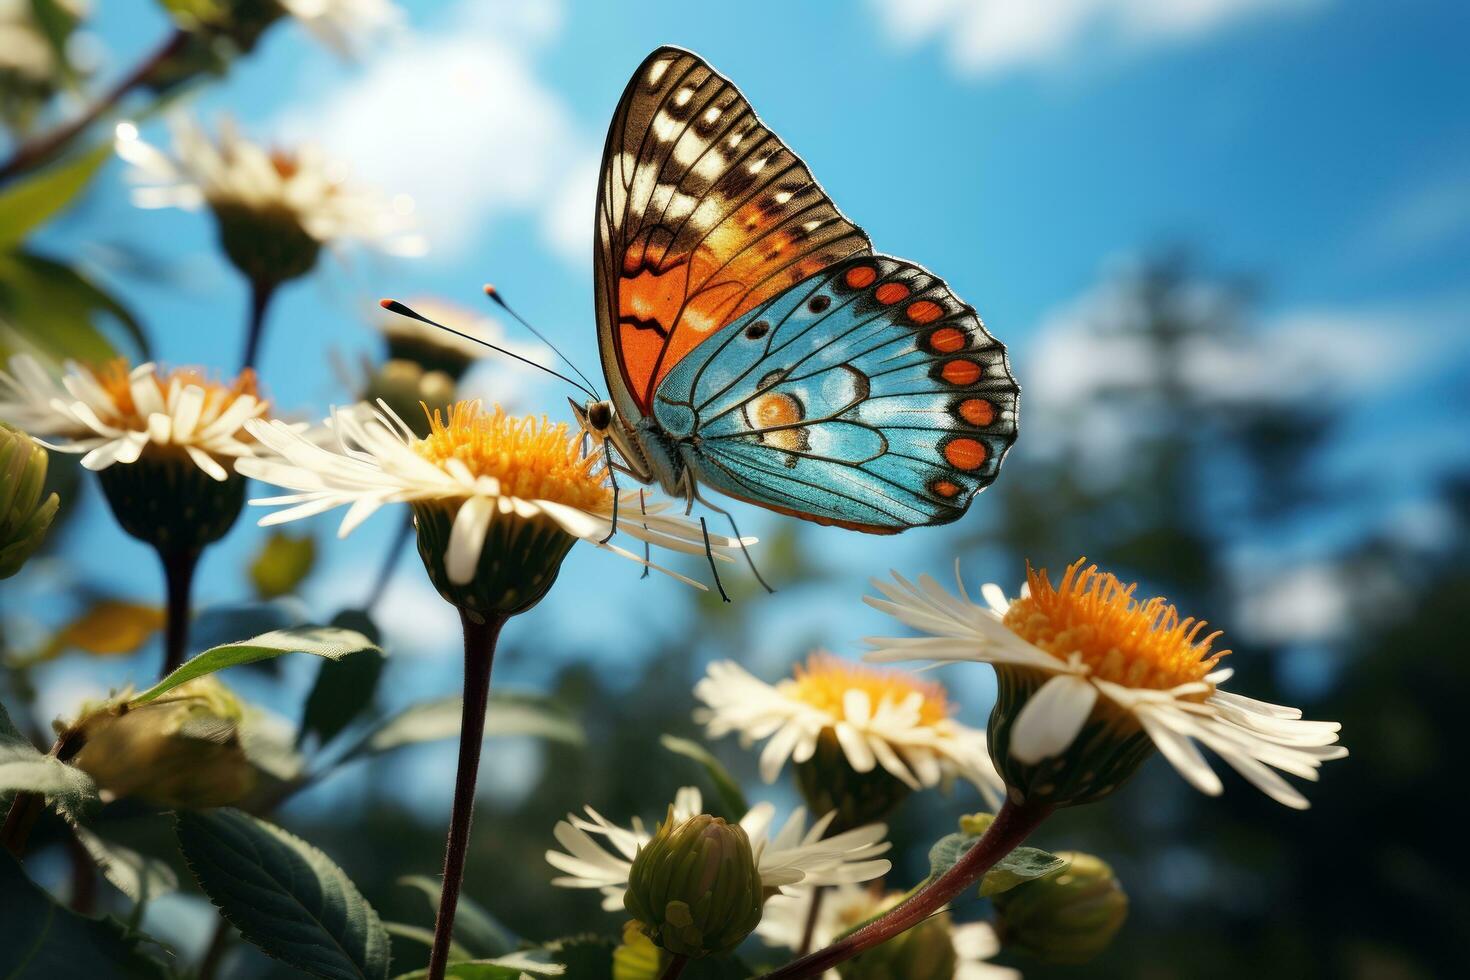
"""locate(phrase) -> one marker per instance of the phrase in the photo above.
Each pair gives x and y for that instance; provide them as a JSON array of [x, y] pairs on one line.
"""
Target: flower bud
[[925, 952], [24, 516], [406, 386], [829, 782], [1068, 918], [164, 499], [182, 750], [266, 243], [695, 887]]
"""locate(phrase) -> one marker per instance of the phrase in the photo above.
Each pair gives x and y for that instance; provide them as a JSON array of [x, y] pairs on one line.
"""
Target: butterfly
[[754, 343]]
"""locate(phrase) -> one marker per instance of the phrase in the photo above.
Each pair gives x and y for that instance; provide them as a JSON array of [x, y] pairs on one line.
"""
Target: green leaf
[[1018, 867], [947, 852], [282, 563], [29, 203], [137, 876], [343, 688], [725, 785], [24, 768], [511, 967], [285, 896], [52, 310], [509, 713], [419, 934], [320, 641], [40, 939], [479, 931]]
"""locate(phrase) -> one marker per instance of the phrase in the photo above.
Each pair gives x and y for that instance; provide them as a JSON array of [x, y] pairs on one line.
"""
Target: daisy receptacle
[[1066, 918]]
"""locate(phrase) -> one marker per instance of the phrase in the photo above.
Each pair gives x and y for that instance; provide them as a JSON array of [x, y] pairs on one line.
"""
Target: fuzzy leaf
[[285, 896], [1018, 867], [39, 939], [474, 927], [24, 768], [137, 876], [725, 785], [321, 641]]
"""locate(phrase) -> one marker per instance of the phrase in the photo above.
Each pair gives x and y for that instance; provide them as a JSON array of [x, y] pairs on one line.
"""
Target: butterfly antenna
[[494, 294], [393, 306]]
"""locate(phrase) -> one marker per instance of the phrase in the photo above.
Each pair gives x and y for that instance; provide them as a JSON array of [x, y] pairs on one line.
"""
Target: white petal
[[1051, 719], [467, 539]]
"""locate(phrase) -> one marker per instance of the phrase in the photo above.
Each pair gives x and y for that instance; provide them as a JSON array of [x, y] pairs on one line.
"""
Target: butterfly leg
[[612, 476], [709, 552], [647, 548], [738, 537]]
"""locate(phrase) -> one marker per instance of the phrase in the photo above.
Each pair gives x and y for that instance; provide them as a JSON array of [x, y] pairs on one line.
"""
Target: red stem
[[479, 655], [33, 153], [675, 968], [1013, 824]]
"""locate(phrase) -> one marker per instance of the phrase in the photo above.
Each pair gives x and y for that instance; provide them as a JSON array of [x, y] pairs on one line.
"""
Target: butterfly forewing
[[702, 214]]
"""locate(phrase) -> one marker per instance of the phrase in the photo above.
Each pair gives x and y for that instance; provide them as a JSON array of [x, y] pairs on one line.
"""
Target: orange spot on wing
[[960, 372], [859, 276], [965, 454], [945, 488], [924, 311], [891, 292], [977, 411], [947, 340]]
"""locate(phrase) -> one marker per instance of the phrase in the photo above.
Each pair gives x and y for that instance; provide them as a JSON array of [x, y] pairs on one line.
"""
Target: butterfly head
[[595, 417]]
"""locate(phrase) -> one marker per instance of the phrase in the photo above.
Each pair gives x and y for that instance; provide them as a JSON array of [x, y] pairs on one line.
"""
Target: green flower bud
[[166, 500], [925, 952], [266, 243], [182, 750], [24, 516], [695, 887], [1068, 918], [406, 386], [829, 782]]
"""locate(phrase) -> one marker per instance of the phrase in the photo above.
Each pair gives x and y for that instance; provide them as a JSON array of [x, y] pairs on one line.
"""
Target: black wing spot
[[819, 303], [757, 330]]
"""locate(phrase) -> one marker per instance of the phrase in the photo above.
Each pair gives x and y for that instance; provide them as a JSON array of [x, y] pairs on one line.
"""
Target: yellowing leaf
[[107, 628], [281, 564]]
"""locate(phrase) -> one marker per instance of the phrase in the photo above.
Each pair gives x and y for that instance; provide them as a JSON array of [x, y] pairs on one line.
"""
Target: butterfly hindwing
[[702, 214], [867, 396]]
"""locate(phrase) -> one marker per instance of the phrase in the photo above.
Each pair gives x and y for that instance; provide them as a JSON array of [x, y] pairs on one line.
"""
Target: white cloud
[[458, 117], [988, 36], [1307, 604]]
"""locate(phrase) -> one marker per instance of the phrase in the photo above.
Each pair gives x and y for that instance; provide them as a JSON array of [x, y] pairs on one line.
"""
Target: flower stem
[[178, 577], [1013, 824], [813, 913], [675, 968], [34, 153], [261, 292], [479, 655]]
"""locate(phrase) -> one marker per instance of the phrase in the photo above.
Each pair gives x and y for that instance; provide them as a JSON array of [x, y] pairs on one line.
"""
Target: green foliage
[[510, 713], [41, 940], [479, 932], [344, 688], [320, 641], [24, 768], [29, 203], [282, 563], [513, 967], [139, 877], [285, 896], [731, 797], [53, 310], [1018, 867]]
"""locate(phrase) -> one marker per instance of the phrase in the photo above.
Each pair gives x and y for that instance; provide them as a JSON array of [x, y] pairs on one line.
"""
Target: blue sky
[[1022, 151]]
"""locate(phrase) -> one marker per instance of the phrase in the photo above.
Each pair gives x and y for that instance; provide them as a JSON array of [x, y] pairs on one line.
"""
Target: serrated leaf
[[474, 927], [725, 785], [217, 625], [24, 768], [137, 876], [509, 713], [29, 203], [52, 310], [511, 967], [343, 688], [285, 896], [419, 934], [320, 641], [40, 940], [1018, 867]]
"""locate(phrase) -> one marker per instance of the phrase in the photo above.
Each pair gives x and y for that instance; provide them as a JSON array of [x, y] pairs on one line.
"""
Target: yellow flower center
[[532, 458], [1132, 643], [825, 679], [115, 378]]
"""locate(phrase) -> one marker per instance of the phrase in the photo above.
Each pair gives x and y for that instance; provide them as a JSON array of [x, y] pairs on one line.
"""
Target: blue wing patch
[[867, 396]]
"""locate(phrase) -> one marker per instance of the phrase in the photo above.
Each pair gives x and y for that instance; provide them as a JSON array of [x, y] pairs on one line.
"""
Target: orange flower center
[[115, 378], [824, 680], [1132, 643], [531, 458]]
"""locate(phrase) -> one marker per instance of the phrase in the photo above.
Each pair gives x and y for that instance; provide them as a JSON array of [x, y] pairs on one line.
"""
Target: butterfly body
[[754, 342]]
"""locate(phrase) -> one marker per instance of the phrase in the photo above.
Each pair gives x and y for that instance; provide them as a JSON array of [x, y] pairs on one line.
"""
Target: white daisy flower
[[483, 469], [888, 719], [793, 854], [115, 414], [843, 907], [343, 25], [231, 174], [1087, 670]]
